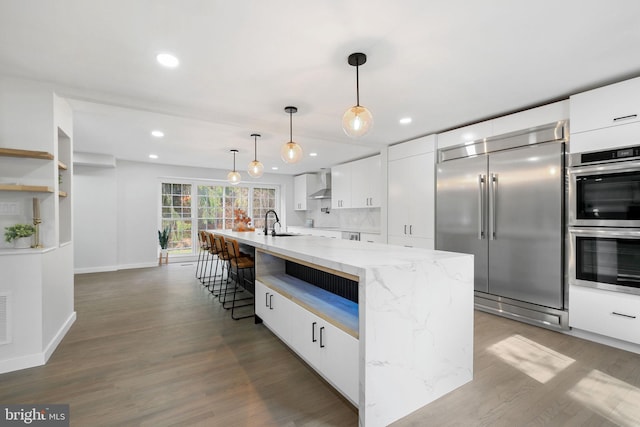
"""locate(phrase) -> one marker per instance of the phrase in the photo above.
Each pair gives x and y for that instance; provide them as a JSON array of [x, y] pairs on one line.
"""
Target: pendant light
[[234, 176], [291, 152], [256, 169], [357, 120]]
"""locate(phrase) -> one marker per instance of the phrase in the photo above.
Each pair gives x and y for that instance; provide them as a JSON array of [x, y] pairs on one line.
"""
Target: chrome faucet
[[266, 224]]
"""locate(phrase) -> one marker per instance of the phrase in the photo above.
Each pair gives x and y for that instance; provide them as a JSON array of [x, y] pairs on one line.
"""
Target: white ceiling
[[443, 63]]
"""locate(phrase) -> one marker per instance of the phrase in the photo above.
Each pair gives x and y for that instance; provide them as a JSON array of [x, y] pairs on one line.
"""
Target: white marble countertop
[[348, 256]]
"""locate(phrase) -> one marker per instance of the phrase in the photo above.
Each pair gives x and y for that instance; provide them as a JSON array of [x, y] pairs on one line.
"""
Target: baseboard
[[53, 344], [139, 265], [86, 270], [24, 362], [601, 339], [38, 359]]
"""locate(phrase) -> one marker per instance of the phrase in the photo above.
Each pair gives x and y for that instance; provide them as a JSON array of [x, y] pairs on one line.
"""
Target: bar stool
[[203, 256], [220, 248], [220, 257], [239, 267]]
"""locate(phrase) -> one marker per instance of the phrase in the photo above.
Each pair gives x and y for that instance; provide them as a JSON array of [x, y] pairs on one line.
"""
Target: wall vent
[[5, 318]]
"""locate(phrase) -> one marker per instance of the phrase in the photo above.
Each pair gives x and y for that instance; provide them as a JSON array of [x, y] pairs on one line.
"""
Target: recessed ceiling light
[[157, 133], [313, 154], [167, 60], [275, 168], [405, 120], [153, 156]]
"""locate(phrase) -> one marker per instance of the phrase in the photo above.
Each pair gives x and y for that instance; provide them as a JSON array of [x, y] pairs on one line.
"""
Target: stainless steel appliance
[[350, 235], [604, 219], [604, 188], [605, 258], [502, 200]]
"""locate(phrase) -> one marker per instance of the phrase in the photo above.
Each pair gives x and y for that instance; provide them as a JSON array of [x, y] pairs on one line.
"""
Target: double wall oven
[[604, 220]]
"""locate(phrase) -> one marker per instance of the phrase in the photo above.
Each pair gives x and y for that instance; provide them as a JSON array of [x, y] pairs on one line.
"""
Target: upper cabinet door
[[613, 105], [300, 192], [366, 182], [341, 186]]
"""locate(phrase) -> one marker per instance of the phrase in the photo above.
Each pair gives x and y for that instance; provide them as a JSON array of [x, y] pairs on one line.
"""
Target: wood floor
[[151, 347]]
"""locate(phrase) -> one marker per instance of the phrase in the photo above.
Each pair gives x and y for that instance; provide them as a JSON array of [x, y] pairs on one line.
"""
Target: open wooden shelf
[[32, 188], [62, 194], [62, 166], [13, 152]]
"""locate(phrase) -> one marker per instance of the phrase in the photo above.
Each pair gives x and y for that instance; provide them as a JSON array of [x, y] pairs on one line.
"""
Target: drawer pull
[[313, 332], [630, 116], [623, 315], [321, 334], [271, 302]]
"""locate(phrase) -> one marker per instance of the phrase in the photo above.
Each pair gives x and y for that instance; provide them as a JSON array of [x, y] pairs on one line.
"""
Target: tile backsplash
[[362, 219]]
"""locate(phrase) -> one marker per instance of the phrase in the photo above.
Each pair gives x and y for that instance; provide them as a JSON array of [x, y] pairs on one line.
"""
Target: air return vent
[[5, 316]]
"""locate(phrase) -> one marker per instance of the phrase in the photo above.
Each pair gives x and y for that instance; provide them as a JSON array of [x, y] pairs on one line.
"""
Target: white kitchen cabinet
[[613, 105], [372, 238], [465, 134], [303, 185], [331, 351], [341, 186], [412, 193], [612, 314], [274, 310], [366, 182], [530, 118], [357, 184]]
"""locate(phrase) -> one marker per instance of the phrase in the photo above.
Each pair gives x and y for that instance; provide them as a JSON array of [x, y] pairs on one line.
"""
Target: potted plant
[[20, 235], [163, 239]]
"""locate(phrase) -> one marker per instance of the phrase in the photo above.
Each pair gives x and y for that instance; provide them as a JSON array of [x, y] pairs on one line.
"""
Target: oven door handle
[[605, 168], [605, 232]]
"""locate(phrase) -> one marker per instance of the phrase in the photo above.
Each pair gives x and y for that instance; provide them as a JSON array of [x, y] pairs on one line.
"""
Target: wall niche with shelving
[[64, 186]]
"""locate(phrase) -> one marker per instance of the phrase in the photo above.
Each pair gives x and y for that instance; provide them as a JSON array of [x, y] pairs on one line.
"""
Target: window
[[263, 200], [213, 207], [176, 214]]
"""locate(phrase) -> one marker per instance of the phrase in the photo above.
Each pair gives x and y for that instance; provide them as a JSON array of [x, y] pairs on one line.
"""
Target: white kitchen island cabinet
[[406, 342]]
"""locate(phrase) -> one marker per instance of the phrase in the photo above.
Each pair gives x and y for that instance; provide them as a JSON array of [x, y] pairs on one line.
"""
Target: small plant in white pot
[[20, 235]]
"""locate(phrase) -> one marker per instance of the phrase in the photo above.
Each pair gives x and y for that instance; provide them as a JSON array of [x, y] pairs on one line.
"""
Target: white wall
[[96, 213], [124, 203]]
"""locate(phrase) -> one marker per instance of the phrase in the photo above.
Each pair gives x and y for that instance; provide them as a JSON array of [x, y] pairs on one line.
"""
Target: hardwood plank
[[151, 347]]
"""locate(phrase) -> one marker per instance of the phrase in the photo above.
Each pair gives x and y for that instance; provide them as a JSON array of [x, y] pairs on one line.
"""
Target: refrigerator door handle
[[481, 182], [493, 195]]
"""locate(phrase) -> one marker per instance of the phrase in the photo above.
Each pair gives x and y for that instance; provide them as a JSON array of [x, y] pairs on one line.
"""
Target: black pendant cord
[[290, 125], [255, 148], [234, 161], [357, 86]]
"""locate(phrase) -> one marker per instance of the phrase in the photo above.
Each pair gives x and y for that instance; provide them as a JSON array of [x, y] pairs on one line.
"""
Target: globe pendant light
[[256, 169], [234, 176], [291, 152], [357, 120]]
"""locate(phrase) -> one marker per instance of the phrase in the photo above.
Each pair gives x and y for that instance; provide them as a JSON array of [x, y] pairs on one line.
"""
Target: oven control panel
[[627, 153]]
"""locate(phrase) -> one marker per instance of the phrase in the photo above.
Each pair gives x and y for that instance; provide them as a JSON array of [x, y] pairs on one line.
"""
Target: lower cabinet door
[[274, 311], [329, 350], [339, 354], [612, 314]]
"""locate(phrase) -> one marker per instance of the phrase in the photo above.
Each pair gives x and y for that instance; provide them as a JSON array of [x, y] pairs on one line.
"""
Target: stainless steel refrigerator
[[502, 200]]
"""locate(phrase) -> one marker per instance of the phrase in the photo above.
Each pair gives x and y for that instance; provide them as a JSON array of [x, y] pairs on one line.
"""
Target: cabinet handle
[[630, 116], [410, 229], [271, 302], [266, 299], [405, 229], [321, 335], [313, 332], [623, 315]]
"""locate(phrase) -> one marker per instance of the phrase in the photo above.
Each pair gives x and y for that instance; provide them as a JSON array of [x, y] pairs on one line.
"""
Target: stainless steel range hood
[[324, 178]]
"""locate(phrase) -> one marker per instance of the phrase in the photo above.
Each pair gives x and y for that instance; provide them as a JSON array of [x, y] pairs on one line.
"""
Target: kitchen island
[[406, 342]]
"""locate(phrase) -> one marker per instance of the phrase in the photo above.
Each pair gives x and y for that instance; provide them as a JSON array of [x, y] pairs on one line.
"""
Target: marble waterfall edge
[[418, 324]]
